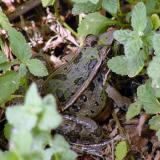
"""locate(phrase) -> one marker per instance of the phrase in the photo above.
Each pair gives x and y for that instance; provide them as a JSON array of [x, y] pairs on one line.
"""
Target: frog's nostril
[[92, 111], [91, 64], [75, 108], [83, 98]]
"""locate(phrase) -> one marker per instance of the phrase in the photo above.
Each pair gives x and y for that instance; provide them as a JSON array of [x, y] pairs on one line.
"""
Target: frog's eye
[[60, 95], [90, 40], [92, 63]]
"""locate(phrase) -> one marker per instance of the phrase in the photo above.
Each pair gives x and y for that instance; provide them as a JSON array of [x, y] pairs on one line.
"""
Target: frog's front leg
[[79, 129]]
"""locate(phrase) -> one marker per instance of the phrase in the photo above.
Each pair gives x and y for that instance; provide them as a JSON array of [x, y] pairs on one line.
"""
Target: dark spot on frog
[[75, 108], [60, 95], [83, 98], [79, 81], [100, 79], [96, 103], [73, 137], [91, 64], [92, 111], [92, 86], [77, 59], [62, 77]]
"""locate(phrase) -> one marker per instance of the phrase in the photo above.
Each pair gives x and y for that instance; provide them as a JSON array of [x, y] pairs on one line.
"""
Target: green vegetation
[[137, 33]]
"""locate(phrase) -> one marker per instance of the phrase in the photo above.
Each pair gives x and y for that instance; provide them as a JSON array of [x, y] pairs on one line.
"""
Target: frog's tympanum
[[66, 80]]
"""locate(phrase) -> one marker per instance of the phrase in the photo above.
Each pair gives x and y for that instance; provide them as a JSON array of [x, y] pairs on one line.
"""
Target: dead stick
[[88, 81], [24, 8]]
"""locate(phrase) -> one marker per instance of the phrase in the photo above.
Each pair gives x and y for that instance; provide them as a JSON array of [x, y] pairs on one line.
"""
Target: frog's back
[[65, 81]]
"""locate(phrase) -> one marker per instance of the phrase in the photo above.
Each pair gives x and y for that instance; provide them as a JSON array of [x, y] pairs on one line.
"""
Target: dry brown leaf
[[9, 5], [56, 61], [141, 122], [56, 27], [157, 156], [117, 97]]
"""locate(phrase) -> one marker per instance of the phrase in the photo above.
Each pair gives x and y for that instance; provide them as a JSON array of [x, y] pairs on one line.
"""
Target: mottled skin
[[65, 81]]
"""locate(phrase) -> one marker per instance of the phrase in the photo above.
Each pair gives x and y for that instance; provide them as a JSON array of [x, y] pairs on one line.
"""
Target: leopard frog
[[66, 80]]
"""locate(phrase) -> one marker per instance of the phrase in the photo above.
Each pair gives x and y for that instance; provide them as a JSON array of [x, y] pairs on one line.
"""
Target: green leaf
[[150, 6], [139, 18], [148, 40], [3, 57], [37, 68], [94, 1], [121, 150], [10, 155], [118, 65], [110, 5], [46, 3], [87, 7], [84, 1], [156, 42], [154, 123], [149, 27], [41, 139], [22, 70], [154, 72], [155, 21], [33, 103], [122, 36], [135, 64], [19, 45], [61, 147], [4, 22], [147, 98], [93, 23], [7, 131], [157, 92], [133, 110], [7, 65], [30, 130], [9, 83], [133, 45], [21, 141], [19, 116], [50, 118]]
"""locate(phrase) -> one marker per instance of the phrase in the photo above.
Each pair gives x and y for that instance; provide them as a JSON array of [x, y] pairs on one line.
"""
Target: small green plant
[[11, 80], [139, 44], [121, 150], [46, 3], [29, 130], [94, 22]]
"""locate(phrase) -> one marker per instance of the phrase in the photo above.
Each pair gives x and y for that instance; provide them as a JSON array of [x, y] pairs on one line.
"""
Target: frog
[[66, 80]]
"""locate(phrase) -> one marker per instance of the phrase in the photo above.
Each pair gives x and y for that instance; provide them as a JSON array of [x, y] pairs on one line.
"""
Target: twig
[[88, 81], [122, 131], [69, 28], [118, 124], [24, 8]]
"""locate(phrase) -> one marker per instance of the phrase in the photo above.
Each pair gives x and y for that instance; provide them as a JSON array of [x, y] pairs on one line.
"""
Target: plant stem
[[70, 29], [56, 4]]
